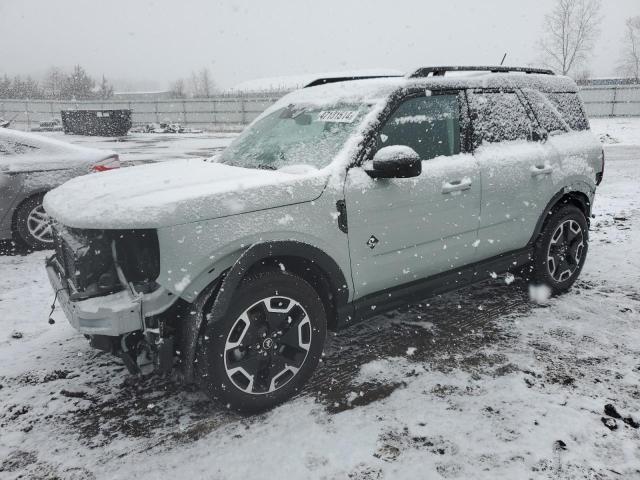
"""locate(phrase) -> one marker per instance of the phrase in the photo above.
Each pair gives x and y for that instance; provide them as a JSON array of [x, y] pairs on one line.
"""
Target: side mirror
[[395, 161]]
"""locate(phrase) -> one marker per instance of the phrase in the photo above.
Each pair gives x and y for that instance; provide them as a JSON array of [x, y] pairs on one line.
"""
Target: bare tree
[[206, 83], [53, 81], [570, 32], [629, 64], [105, 90], [583, 76], [201, 83], [177, 89]]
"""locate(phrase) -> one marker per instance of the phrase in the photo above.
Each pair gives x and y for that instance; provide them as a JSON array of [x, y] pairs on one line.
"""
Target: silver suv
[[344, 199]]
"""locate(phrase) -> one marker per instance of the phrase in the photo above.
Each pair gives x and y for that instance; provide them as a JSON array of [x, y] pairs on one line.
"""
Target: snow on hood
[[44, 153], [176, 192]]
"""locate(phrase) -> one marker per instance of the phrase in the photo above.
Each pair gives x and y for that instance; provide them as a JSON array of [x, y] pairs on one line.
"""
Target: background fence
[[232, 112], [612, 100], [220, 113]]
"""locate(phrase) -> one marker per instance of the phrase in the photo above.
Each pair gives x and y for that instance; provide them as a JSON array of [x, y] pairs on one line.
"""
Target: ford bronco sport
[[345, 198]]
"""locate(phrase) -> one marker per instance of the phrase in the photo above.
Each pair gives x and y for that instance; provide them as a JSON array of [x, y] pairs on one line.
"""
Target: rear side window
[[14, 148], [4, 148], [570, 107], [429, 125], [498, 117], [546, 113]]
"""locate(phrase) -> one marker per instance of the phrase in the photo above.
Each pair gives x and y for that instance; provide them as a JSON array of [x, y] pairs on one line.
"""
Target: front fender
[[193, 255], [219, 293]]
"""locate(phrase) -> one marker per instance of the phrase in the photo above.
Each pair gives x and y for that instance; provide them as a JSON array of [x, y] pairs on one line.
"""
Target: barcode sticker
[[342, 116]]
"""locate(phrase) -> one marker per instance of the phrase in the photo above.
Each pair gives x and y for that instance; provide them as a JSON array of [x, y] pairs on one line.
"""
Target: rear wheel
[[561, 250], [267, 346], [32, 225]]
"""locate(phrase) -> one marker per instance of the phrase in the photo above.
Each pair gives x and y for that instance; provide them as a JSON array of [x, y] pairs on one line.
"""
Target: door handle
[[541, 170], [456, 185]]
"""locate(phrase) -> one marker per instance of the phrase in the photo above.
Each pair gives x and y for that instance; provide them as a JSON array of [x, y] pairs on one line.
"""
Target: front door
[[405, 229]]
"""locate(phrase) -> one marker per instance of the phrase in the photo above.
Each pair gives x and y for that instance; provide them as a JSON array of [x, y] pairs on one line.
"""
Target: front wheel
[[268, 344], [561, 249]]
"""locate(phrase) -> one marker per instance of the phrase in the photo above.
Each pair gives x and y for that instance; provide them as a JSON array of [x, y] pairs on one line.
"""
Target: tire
[[561, 249], [268, 344], [31, 225]]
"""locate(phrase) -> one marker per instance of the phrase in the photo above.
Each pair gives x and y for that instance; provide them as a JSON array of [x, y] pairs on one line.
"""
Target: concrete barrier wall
[[232, 112]]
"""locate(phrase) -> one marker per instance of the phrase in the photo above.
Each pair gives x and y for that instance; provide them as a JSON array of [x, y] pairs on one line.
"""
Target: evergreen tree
[[78, 85]]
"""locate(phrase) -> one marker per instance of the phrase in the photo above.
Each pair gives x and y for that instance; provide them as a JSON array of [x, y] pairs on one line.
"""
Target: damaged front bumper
[[111, 315], [117, 322]]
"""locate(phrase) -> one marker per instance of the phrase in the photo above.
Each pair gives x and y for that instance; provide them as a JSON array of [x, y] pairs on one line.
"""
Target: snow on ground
[[617, 130], [477, 384]]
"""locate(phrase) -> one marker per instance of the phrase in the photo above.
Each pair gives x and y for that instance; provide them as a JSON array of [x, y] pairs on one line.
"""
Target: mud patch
[[18, 459], [393, 444], [364, 394], [444, 333], [364, 472]]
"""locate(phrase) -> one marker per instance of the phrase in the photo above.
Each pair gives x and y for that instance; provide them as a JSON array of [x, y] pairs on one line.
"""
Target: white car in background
[[30, 166]]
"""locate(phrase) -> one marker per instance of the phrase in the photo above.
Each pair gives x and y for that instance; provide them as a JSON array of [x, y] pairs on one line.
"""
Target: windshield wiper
[[265, 167]]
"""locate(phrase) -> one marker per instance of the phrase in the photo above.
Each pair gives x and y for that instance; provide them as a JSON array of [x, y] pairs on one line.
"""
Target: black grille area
[[86, 260]]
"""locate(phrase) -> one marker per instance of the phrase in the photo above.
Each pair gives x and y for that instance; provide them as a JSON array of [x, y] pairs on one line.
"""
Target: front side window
[[430, 125], [499, 117], [296, 135], [570, 107]]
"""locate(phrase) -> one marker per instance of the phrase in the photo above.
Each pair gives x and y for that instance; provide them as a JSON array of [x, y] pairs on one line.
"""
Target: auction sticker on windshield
[[343, 116]]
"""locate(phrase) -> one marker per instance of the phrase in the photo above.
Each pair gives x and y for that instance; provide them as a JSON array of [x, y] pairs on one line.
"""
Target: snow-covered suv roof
[[375, 90]]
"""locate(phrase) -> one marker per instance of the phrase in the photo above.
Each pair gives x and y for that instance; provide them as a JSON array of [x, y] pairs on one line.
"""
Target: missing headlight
[[138, 255]]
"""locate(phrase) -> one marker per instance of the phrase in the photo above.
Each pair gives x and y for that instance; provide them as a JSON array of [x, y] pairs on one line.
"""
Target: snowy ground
[[478, 384]]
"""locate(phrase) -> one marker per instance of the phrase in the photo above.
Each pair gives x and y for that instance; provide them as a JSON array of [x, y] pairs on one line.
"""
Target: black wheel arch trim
[[576, 195], [220, 292]]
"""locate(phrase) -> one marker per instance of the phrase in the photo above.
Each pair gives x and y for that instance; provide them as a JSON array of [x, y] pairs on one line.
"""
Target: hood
[[176, 192]]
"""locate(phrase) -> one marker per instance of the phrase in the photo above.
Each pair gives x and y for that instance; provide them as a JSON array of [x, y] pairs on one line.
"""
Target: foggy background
[[142, 45]]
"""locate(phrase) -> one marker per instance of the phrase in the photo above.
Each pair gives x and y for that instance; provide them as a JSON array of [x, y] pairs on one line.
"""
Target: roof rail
[[324, 81], [440, 71]]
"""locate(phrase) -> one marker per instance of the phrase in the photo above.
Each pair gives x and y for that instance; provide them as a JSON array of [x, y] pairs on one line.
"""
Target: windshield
[[295, 135]]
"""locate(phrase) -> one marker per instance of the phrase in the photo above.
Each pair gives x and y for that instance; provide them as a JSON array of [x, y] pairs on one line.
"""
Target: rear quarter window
[[570, 107], [498, 117], [546, 113]]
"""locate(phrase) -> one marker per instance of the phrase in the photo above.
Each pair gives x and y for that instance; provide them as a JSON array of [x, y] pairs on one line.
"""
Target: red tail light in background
[[108, 163]]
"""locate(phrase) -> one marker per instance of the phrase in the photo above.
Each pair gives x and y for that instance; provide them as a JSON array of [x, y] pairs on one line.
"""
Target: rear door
[[405, 229], [516, 165]]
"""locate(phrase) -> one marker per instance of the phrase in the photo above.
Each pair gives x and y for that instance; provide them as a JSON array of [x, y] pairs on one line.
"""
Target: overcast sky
[[154, 42]]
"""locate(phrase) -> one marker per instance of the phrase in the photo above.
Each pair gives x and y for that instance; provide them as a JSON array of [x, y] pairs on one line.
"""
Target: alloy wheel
[[565, 250], [39, 225], [267, 345]]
